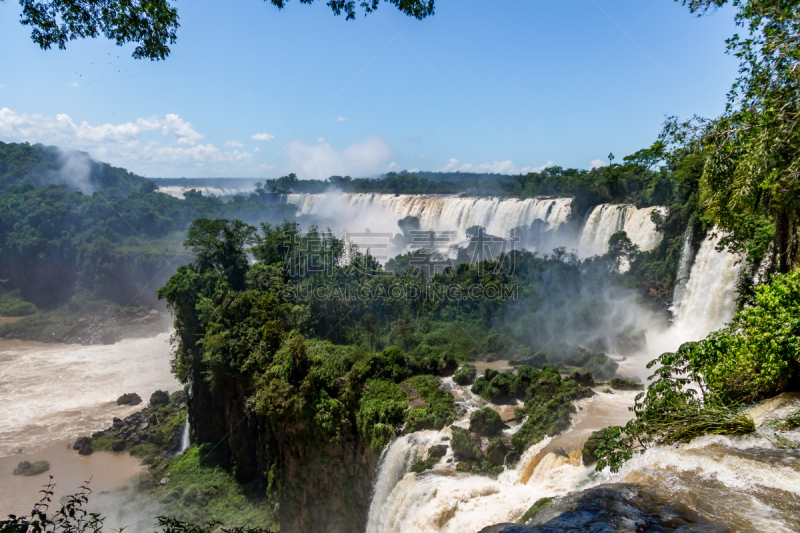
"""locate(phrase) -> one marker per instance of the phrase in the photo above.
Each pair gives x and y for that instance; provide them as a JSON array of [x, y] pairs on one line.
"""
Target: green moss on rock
[[26, 468], [466, 374], [485, 422]]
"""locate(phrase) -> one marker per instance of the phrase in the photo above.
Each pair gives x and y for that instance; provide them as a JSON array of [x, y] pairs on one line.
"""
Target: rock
[[606, 507], [179, 398], [164, 480], [625, 384], [83, 445], [437, 452], [587, 453], [496, 452], [485, 422], [601, 366], [117, 422], [144, 425], [129, 398], [26, 468], [537, 360], [466, 374], [159, 397], [118, 446], [504, 528], [583, 378]]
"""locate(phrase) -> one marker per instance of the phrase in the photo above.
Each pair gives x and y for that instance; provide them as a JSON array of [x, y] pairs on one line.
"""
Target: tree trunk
[[786, 241]]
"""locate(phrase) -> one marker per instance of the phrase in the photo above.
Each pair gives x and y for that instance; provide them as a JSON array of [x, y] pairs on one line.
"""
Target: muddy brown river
[[53, 393]]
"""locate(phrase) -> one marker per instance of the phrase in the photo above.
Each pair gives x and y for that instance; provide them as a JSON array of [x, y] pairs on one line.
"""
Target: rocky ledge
[[155, 430]]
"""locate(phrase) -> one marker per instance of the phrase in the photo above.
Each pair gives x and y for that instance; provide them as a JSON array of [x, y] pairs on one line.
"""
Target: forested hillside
[[114, 246]]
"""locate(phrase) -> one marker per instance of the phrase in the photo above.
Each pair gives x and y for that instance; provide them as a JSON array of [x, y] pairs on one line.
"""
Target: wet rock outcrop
[[613, 507], [26, 468]]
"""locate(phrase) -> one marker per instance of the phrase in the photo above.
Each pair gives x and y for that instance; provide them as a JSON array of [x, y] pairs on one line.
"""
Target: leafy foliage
[[751, 170], [72, 516], [151, 24]]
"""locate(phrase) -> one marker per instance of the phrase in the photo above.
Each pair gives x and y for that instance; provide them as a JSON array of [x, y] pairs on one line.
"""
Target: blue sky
[[483, 85]]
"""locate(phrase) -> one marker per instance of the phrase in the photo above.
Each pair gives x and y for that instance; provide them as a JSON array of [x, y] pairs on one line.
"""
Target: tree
[[151, 24], [220, 245], [751, 176]]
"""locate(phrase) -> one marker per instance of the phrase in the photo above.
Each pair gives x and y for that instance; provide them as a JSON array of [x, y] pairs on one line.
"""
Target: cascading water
[[442, 212], [684, 268], [445, 500], [708, 301], [185, 437], [607, 219]]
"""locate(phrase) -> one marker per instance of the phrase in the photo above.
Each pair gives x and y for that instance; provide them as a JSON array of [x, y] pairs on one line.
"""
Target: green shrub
[[464, 448], [485, 422], [625, 384], [382, 407], [431, 407]]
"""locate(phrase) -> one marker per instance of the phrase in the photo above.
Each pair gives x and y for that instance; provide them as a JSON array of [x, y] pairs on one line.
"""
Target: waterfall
[[185, 436], [444, 500], [708, 301], [396, 461], [440, 212], [684, 266], [607, 219]]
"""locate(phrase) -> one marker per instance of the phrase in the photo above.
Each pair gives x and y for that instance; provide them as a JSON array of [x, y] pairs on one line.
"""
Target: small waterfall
[[185, 436], [396, 461], [440, 212], [708, 302], [684, 266], [607, 219]]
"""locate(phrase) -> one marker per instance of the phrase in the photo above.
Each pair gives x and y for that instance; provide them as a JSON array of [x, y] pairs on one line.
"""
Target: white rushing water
[[607, 219], [178, 192], [51, 392], [444, 500], [684, 269], [708, 301], [439, 212], [185, 436]]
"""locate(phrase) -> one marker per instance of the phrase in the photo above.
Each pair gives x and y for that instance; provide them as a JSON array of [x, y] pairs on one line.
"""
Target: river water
[[53, 393]]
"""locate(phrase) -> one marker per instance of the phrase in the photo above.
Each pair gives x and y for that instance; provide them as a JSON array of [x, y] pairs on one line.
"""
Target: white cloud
[[323, 160], [74, 84], [597, 163], [422, 156], [341, 119], [263, 137], [233, 144], [413, 170], [321, 140], [128, 145], [2, 86], [495, 167], [256, 149]]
